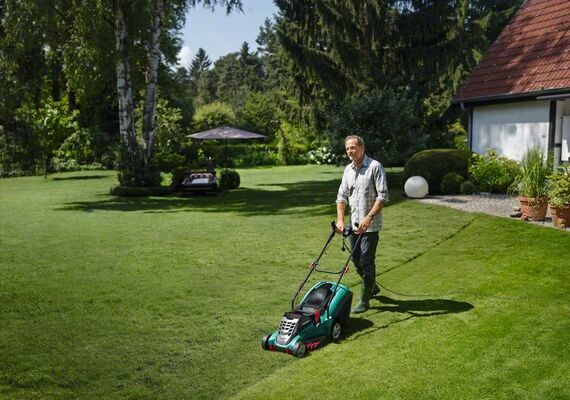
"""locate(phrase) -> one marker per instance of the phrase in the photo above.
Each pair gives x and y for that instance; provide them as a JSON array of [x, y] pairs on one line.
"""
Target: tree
[[200, 63], [339, 48], [199, 66], [137, 163], [54, 123], [213, 115]]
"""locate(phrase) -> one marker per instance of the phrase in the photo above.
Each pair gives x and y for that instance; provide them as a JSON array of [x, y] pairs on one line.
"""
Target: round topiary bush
[[451, 183], [229, 179], [434, 164]]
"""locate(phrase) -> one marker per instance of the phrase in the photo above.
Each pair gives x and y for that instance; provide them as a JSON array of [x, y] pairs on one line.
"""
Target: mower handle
[[313, 267], [347, 231]]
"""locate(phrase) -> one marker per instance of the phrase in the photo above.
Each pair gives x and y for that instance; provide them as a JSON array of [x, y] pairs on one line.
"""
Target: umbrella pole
[[226, 153]]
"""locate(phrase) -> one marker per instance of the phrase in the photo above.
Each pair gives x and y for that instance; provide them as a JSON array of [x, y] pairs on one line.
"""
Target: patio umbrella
[[225, 133]]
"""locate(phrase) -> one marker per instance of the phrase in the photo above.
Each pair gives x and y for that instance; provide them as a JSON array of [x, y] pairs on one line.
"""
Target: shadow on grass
[[311, 197], [414, 309], [80, 177], [422, 308]]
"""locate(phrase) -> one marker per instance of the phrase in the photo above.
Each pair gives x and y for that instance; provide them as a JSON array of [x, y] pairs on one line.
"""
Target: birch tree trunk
[[130, 152], [149, 110]]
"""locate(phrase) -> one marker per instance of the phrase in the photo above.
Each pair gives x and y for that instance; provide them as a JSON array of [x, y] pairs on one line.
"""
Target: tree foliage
[[387, 121], [213, 115], [321, 69], [347, 47]]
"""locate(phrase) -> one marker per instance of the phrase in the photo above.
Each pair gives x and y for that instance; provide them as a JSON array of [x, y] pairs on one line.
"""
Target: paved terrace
[[499, 205]]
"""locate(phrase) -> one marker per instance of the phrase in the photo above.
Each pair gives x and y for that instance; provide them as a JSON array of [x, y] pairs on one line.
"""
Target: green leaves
[[213, 115], [559, 187]]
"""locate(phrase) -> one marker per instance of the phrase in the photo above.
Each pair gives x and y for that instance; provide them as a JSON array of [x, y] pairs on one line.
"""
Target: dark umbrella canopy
[[225, 132]]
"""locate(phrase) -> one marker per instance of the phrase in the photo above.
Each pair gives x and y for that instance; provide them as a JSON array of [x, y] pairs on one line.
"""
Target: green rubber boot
[[363, 303]]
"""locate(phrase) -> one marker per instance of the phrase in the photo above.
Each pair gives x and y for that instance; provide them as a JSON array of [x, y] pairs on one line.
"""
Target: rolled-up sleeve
[[343, 190], [381, 185]]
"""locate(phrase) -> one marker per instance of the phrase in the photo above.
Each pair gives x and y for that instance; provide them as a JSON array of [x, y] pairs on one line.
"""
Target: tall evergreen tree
[[199, 66], [200, 63], [341, 47]]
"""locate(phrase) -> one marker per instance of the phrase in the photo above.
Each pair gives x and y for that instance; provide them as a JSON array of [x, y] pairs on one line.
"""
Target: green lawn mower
[[322, 314]]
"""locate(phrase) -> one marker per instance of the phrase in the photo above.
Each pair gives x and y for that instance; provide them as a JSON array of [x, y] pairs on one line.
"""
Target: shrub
[[147, 177], [254, 155], [229, 179], [133, 191], [493, 173], [168, 162], [451, 183], [559, 187], [247, 154], [320, 156], [292, 145], [434, 164], [109, 159], [69, 165], [468, 187]]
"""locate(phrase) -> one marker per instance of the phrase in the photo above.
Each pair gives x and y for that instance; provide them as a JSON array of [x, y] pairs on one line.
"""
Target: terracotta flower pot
[[533, 209], [561, 216]]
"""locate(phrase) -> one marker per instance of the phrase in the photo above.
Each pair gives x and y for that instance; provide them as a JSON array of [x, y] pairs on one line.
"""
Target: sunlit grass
[[102, 297]]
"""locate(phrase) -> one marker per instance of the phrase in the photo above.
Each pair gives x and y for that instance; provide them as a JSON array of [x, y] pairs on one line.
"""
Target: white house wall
[[511, 128]]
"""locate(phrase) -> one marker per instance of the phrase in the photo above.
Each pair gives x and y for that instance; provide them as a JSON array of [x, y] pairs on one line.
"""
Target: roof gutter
[[552, 94], [560, 96]]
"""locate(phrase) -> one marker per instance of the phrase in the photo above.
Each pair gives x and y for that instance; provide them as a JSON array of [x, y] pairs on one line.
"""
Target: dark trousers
[[364, 257]]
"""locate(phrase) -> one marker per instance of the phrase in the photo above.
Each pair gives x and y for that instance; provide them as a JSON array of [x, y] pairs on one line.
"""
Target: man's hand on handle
[[339, 227], [364, 225]]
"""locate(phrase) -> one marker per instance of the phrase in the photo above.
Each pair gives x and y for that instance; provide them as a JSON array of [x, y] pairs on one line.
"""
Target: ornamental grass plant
[[533, 175]]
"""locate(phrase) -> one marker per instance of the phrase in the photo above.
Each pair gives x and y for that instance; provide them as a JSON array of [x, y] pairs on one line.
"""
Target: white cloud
[[185, 57]]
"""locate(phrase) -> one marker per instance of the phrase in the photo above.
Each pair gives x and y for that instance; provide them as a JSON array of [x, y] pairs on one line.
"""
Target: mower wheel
[[299, 350], [336, 330], [265, 342]]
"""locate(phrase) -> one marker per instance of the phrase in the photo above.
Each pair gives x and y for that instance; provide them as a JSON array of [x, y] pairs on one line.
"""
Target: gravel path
[[499, 205]]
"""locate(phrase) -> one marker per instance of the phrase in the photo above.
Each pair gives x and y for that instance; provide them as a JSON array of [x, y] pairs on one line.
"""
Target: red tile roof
[[530, 56]]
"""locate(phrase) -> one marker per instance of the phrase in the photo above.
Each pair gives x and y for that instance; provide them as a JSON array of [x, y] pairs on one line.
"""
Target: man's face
[[354, 151]]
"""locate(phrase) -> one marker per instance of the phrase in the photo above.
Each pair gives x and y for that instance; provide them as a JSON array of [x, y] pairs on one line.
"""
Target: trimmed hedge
[[451, 183], [434, 164], [134, 191]]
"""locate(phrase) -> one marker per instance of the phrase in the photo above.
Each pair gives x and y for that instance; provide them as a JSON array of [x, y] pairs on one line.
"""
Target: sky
[[220, 34]]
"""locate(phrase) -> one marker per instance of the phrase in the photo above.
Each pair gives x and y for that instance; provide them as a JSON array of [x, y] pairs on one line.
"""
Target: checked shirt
[[360, 188]]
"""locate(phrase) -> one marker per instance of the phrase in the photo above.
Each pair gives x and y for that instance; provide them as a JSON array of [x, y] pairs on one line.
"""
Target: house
[[519, 95]]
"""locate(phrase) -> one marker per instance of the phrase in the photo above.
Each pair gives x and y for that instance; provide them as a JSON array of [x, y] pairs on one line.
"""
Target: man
[[364, 188]]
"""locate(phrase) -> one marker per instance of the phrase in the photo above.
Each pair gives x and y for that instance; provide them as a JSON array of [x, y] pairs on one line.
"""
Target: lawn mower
[[322, 314]]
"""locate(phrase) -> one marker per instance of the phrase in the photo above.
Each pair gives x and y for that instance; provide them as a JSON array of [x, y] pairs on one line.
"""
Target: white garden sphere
[[416, 187]]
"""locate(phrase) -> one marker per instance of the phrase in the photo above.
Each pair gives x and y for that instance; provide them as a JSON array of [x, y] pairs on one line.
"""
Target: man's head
[[354, 146]]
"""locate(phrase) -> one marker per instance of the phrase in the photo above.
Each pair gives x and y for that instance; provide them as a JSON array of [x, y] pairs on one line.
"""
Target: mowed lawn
[[168, 298]]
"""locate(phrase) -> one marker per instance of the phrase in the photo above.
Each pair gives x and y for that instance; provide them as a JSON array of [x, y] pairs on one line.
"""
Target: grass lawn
[[168, 298]]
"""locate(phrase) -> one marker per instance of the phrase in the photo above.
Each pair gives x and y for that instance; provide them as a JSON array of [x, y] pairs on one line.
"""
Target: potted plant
[[559, 197], [530, 184]]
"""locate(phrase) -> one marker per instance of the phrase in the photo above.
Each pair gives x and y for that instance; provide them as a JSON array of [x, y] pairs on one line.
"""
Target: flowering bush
[[322, 155]]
